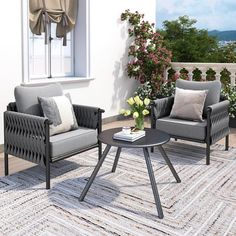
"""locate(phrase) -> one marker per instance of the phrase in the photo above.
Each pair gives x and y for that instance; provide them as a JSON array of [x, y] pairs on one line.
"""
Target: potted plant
[[229, 92]]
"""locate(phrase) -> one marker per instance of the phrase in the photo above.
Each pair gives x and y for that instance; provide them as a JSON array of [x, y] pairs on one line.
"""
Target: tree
[[187, 43], [226, 54]]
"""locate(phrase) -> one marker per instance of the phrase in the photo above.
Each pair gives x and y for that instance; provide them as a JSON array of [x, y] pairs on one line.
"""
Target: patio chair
[[26, 130], [215, 119]]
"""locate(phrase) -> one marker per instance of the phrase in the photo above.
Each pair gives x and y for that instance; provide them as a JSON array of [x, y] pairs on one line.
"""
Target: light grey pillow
[[188, 104], [59, 111], [213, 88]]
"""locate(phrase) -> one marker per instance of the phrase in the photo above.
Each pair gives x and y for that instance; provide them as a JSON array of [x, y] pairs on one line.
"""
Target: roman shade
[[61, 12]]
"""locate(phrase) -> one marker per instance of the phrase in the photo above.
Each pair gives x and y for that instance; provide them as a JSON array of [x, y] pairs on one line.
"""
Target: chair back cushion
[[213, 87], [27, 97]]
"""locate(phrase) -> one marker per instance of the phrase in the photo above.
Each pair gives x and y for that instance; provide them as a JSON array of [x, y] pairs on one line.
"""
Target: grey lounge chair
[[26, 133], [216, 117]]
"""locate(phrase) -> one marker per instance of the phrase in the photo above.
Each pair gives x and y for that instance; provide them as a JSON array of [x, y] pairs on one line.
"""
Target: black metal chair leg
[[116, 159], [163, 153], [47, 174], [153, 183], [227, 143], [95, 171], [208, 152], [6, 166]]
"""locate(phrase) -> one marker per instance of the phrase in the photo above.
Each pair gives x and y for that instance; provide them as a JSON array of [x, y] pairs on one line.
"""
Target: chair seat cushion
[[72, 141], [183, 128]]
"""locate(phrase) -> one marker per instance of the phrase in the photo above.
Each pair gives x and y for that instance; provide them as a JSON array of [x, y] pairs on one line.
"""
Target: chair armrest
[[162, 107], [219, 108], [218, 121], [26, 136], [12, 106], [90, 117]]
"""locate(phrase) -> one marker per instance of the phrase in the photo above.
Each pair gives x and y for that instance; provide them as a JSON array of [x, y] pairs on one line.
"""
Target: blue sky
[[210, 14]]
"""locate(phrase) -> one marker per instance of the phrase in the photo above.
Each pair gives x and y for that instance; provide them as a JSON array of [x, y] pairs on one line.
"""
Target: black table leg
[[116, 159], [153, 183], [163, 153], [95, 171]]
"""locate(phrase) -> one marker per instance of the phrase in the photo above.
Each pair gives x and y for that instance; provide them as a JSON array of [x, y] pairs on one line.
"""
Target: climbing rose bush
[[148, 58]]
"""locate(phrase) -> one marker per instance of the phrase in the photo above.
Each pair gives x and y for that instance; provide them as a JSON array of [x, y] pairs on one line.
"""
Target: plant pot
[[232, 122]]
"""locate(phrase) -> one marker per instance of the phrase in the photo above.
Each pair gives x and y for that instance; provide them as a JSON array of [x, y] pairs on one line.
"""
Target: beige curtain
[[61, 12]]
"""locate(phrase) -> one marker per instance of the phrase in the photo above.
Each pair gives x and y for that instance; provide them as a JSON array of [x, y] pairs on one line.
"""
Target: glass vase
[[139, 123]]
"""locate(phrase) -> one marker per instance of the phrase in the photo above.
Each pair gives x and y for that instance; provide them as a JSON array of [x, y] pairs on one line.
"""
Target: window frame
[[80, 51], [49, 55]]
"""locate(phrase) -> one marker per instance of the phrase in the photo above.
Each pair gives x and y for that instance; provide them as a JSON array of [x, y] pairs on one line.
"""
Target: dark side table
[[152, 138]]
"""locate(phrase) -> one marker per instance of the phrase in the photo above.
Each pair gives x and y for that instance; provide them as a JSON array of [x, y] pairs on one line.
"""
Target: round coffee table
[[153, 137]]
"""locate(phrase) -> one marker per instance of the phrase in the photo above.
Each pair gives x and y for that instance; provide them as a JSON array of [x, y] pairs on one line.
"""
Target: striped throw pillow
[[59, 111]]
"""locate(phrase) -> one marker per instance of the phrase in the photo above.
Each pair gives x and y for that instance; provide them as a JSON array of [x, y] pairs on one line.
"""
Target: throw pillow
[[188, 104], [59, 111], [213, 88]]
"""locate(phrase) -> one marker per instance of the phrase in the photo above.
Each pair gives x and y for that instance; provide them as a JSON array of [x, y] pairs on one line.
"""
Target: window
[[53, 61], [50, 60]]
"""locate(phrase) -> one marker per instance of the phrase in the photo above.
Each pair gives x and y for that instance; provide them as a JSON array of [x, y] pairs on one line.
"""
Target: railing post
[[204, 74], [232, 78], [190, 68], [190, 75], [177, 70], [217, 75]]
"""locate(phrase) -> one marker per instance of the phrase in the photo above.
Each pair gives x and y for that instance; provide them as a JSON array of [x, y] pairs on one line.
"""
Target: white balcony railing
[[204, 67]]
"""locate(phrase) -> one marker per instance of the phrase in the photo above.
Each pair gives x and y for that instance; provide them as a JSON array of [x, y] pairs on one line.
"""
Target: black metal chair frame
[[217, 122], [27, 136]]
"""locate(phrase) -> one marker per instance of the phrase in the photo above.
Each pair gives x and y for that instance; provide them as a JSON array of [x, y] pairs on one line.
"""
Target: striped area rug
[[122, 203]]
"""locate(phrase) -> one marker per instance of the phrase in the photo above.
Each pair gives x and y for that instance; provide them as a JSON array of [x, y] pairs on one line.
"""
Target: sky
[[210, 14]]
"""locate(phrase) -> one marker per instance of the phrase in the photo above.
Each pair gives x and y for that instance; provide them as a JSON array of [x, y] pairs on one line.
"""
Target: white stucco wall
[[108, 55], [10, 54], [108, 46]]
